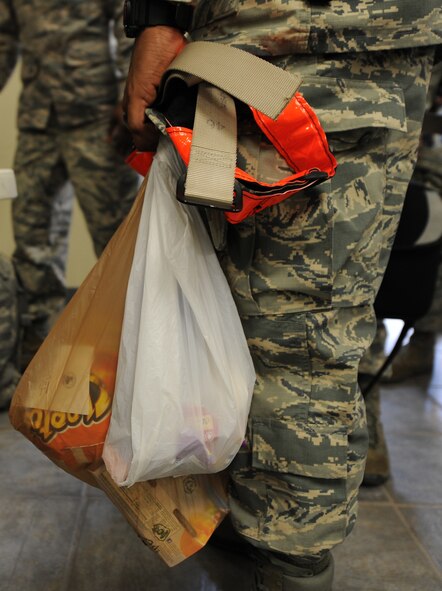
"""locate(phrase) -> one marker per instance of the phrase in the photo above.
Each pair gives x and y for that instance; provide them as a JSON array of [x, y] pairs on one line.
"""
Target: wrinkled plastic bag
[[185, 376]]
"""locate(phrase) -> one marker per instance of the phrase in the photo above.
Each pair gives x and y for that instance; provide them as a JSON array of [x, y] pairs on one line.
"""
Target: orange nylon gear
[[296, 134]]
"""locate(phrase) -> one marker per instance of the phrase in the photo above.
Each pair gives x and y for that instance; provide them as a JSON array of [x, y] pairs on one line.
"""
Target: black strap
[[432, 123]]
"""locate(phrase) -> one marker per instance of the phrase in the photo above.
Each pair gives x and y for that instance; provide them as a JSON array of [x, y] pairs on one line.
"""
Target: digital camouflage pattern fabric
[[305, 273], [282, 27], [9, 375], [68, 64], [104, 186], [416, 357], [427, 174]]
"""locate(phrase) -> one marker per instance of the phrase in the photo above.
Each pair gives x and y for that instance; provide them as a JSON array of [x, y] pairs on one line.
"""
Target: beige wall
[[81, 256]]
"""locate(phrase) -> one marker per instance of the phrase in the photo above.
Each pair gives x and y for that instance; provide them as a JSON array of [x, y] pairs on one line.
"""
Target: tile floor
[[57, 534]]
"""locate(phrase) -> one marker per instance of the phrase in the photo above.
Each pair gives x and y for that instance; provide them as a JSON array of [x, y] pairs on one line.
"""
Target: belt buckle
[[237, 198]]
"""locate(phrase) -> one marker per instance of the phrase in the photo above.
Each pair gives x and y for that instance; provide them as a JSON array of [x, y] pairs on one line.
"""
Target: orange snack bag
[[74, 441], [63, 401], [174, 517]]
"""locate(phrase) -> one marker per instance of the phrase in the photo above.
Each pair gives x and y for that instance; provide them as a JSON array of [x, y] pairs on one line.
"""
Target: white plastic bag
[[185, 376]]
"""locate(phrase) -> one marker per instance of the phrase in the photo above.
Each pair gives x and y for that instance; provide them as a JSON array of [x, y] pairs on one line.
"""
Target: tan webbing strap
[[211, 171], [224, 72], [247, 77]]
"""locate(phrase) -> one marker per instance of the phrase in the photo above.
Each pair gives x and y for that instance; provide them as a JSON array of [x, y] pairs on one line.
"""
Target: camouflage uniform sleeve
[[8, 41]]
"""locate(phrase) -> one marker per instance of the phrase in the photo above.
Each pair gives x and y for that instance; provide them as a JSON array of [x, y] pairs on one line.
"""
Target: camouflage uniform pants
[[103, 184], [9, 375], [428, 173], [304, 274]]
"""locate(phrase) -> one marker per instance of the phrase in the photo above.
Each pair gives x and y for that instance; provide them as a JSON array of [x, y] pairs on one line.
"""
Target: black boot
[[278, 572], [225, 538]]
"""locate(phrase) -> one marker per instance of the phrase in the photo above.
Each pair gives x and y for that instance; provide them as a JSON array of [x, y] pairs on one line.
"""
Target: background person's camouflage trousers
[[105, 188], [70, 128]]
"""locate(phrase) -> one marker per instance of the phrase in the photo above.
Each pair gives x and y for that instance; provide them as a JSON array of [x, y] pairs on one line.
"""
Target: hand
[[154, 50], [119, 136]]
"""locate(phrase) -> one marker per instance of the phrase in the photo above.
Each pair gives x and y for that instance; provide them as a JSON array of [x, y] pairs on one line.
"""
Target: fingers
[[147, 139], [121, 140], [154, 50], [137, 97], [135, 115], [144, 133]]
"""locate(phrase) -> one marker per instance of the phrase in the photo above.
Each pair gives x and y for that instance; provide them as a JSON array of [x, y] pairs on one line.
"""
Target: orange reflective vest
[[298, 137]]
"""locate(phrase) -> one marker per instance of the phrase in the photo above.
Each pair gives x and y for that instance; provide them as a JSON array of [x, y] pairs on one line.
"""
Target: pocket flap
[[318, 451], [343, 104]]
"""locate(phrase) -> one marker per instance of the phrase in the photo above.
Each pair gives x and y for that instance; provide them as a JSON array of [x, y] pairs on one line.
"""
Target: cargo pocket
[[304, 468], [362, 121], [278, 345], [290, 266], [299, 448]]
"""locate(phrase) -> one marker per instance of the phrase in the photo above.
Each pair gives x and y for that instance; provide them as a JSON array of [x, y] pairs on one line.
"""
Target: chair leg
[[376, 378]]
